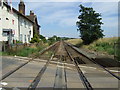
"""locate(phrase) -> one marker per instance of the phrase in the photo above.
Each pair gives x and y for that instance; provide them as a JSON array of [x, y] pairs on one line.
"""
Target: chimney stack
[[31, 13], [22, 7], [5, 1]]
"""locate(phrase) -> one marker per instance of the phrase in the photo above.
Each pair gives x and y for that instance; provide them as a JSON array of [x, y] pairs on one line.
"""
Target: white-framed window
[[20, 22], [21, 37], [0, 3], [29, 25], [25, 38], [29, 38], [25, 23], [7, 18], [6, 32]]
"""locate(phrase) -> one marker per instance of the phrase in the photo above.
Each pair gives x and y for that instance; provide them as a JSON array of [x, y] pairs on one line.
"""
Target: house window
[[5, 33], [13, 22], [25, 23], [29, 38], [21, 37], [7, 18], [0, 3], [29, 25], [22, 22], [25, 39]]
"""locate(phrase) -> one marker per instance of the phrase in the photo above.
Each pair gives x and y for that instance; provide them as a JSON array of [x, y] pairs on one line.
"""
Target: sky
[[59, 17]]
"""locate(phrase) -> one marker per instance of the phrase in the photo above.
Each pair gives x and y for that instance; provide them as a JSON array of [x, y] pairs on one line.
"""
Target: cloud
[[56, 13], [62, 17], [64, 14]]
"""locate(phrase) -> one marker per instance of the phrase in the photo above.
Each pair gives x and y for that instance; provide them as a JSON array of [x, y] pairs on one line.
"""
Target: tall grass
[[25, 52], [74, 41], [105, 45]]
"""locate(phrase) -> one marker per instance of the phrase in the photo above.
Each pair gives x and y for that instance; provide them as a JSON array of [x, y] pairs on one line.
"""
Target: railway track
[[66, 68], [82, 76], [70, 48], [91, 60]]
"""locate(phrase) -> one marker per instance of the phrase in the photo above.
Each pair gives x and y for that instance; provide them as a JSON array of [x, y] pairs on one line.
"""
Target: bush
[[35, 39]]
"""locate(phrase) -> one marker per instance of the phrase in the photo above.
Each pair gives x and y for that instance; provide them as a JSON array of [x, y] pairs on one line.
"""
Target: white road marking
[[60, 66], [83, 72], [114, 71], [87, 67], [69, 68], [4, 83]]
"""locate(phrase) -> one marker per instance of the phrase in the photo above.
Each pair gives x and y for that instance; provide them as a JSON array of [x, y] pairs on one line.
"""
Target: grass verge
[[24, 52], [104, 45]]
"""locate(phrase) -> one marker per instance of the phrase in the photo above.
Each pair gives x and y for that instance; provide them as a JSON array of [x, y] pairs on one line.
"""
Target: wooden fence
[[15, 47]]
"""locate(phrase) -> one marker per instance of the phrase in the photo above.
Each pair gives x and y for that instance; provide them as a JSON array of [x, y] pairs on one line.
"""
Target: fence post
[[115, 51]]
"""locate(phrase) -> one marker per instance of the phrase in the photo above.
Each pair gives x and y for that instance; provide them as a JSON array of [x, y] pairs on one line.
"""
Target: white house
[[25, 29], [14, 24]]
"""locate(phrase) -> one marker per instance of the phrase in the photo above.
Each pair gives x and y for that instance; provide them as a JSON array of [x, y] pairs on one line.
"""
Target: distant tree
[[43, 38], [89, 25], [53, 39]]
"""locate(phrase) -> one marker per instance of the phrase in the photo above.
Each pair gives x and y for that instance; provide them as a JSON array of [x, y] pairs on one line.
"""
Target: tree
[[43, 38], [89, 25], [35, 39], [53, 39]]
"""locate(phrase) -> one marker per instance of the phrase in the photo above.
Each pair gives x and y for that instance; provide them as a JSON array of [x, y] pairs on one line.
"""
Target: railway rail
[[66, 68], [93, 61], [32, 59], [82, 76]]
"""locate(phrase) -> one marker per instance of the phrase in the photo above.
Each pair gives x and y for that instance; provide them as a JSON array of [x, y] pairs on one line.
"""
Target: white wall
[[25, 28], [0, 23], [7, 24], [19, 25]]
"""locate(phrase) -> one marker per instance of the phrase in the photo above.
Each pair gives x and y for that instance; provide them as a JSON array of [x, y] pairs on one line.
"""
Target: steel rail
[[37, 79], [94, 62], [82, 76], [12, 71]]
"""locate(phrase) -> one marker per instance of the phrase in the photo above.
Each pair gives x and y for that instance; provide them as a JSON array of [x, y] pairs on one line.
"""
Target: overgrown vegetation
[[104, 45], [25, 52], [53, 39], [28, 51], [35, 39]]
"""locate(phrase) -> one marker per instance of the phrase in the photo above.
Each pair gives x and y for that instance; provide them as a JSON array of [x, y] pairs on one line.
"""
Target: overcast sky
[[59, 17]]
